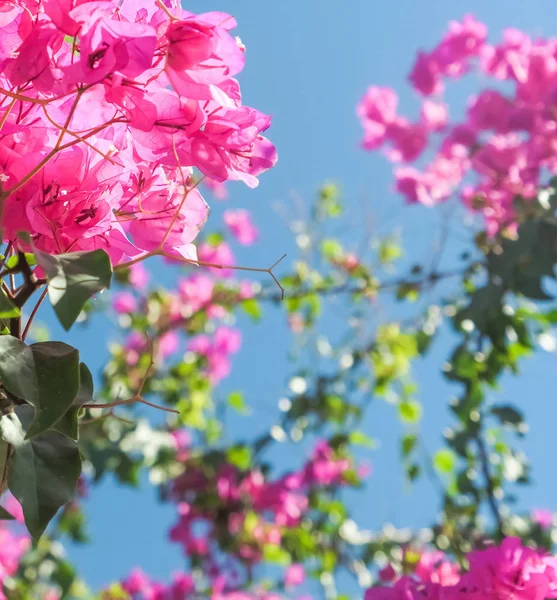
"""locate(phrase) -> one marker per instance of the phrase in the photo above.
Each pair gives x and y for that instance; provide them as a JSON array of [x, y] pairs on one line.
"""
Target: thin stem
[[6, 254], [200, 263], [165, 8], [132, 400], [490, 490], [33, 313], [7, 113]]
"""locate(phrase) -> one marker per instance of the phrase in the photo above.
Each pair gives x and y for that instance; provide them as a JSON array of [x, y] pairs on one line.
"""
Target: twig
[[137, 396], [132, 400], [347, 288], [484, 461], [201, 263], [33, 313]]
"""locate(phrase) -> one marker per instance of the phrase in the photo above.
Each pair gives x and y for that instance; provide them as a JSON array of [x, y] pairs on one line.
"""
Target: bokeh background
[[308, 64]]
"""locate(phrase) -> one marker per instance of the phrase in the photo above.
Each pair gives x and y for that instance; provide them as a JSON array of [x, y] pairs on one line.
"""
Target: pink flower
[[218, 189], [196, 291], [240, 225], [217, 350], [434, 116], [408, 140], [169, 344], [246, 290], [14, 508], [217, 255], [543, 517], [136, 583], [139, 277], [425, 77], [490, 110], [324, 468], [433, 567], [376, 111], [512, 570], [190, 42], [294, 576], [125, 303], [388, 574]]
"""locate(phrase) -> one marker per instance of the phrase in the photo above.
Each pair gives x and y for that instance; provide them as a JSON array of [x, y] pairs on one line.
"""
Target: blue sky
[[308, 64]]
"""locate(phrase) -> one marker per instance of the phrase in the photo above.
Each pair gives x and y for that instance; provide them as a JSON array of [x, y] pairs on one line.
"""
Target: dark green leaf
[[68, 424], [17, 368], [7, 308], [508, 415], [86, 387], [57, 370], [408, 444], [5, 515], [43, 471], [72, 279]]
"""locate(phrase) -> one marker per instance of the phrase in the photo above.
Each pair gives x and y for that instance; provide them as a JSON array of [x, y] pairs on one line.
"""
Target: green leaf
[[252, 308], [5, 515], [389, 251], [444, 461], [508, 415], [237, 402], [72, 279], [13, 261], [8, 310], [275, 554], [410, 411], [359, 438], [239, 456], [86, 387], [43, 471], [57, 371], [17, 368], [408, 444], [214, 239], [68, 425], [331, 249]]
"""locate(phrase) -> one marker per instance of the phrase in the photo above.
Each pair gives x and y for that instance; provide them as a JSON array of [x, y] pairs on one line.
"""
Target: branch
[[484, 461], [348, 287], [136, 397]]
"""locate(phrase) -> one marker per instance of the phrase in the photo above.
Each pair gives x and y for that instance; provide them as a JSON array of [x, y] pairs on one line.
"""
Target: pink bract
[[503, 149], [122, 101]]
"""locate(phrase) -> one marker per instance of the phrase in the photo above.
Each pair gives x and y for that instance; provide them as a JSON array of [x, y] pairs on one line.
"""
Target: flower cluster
[[226, 503], [505, 145], [197, 296], [139, 587], [105, 110], [12, 548], [510, 570]]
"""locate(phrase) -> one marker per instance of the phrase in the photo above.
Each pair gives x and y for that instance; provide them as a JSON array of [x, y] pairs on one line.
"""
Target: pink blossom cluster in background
[[503, 147], [217, 350], [196, 293], [12, 548], [140, 587], [510, 570], [252, 508], [106, 108]]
